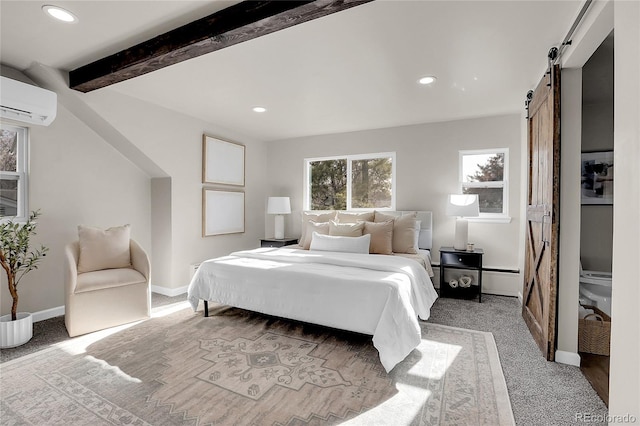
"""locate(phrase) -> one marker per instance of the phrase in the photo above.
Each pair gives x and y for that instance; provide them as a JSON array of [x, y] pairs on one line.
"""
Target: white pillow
[[343, 244], [103, 249]]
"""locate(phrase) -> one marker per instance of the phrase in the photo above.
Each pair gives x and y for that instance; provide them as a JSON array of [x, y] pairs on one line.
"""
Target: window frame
[[349, 159], [21, 174], [504, 184]]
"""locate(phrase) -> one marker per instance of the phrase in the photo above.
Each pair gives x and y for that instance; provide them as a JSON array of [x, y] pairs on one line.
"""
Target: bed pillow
[[345, 229], [316, 217], [312, 226], [351, 217], [406, 231], [342, 244], [103, 249], [381, 236]]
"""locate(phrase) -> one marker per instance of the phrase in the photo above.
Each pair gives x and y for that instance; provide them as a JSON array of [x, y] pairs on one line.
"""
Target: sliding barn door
[[541, 262]]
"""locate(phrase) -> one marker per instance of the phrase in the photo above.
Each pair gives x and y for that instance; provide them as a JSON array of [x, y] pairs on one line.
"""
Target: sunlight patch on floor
[[402, 409], [436, 366], [112, 368], [78, 345]]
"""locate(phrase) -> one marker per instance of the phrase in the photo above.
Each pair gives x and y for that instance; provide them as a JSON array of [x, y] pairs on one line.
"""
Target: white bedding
[[372, 294]]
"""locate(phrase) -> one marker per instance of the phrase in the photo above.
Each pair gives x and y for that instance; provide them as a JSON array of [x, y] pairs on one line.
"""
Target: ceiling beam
[[241, 22]]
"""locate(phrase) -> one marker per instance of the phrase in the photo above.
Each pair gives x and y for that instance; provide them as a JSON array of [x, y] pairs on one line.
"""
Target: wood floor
[[596, 369]]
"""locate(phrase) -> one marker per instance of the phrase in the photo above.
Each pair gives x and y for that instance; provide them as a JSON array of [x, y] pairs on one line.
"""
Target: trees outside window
[[485, 173], [351, 182], [13, 172]]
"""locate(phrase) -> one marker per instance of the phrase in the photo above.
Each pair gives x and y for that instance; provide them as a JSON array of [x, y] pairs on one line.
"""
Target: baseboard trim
[[569, 358], [47, 313], [169, 292]]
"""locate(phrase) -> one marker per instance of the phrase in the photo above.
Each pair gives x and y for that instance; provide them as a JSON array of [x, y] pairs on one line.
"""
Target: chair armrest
[[139, 259]]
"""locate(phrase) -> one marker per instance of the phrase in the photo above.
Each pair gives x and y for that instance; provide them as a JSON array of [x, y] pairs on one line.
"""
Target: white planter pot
[[15, 333]]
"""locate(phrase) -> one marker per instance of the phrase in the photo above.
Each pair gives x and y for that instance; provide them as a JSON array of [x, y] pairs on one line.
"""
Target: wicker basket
[[594, 335]]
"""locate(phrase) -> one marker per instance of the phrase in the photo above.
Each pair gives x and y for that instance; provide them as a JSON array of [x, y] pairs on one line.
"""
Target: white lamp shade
[[278, 205], [463, 205]]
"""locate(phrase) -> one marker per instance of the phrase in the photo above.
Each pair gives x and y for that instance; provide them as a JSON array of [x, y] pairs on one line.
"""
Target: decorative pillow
[[343, 244], [381, 217], [312, 226], [381, 236], [406, 231], [351, 217], [103, 249], [316, 217], [346, 229]]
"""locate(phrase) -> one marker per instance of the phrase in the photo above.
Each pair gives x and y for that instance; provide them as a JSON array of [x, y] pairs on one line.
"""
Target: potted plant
[[17, 259]]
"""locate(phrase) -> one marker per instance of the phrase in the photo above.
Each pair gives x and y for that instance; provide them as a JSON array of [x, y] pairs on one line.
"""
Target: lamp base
[[462, 234], [279, 227]]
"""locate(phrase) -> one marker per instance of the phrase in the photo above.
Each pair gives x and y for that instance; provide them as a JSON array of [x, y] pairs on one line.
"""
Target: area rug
[[241, 368]]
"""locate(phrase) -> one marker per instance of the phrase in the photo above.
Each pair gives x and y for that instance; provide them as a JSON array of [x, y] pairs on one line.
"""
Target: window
[[13, 172], [485, 173], [351, 182]]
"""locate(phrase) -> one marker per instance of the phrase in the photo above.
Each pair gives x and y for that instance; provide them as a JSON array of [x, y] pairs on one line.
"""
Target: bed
[[378, 295]]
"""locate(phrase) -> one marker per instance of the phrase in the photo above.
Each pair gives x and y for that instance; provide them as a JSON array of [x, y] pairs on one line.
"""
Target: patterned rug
[[242, 368]]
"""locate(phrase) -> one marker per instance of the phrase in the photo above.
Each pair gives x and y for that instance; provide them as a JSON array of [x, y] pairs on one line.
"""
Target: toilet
[[595, 289]]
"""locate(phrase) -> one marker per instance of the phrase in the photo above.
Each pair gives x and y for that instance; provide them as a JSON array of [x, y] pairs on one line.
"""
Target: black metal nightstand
[[277, 242], [451, 258]]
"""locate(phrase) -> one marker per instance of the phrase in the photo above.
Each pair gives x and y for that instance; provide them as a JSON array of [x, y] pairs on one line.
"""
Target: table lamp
[[462, 206], [279, 206]]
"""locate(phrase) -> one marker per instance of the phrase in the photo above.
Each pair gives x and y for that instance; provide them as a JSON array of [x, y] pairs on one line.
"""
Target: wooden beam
[[241, 22]]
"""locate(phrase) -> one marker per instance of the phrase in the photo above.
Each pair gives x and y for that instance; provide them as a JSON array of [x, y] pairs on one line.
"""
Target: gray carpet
[[541, 392]]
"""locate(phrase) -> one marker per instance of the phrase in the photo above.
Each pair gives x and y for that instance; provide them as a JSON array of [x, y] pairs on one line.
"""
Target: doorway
[[596, 215]]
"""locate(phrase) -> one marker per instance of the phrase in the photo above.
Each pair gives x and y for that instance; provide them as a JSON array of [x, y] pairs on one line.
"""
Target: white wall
[[427, 170], [569, 247], [174, 142], [624, 390], [76, 178]]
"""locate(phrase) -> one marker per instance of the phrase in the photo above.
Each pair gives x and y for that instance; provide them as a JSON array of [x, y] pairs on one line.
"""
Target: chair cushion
[[107, 278], [103, 249]]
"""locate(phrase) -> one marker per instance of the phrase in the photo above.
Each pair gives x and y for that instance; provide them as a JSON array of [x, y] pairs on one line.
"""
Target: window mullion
[[349, 160], [489, 184]]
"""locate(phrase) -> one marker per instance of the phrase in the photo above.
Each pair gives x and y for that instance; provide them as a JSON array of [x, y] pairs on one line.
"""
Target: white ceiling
[[353, 70]]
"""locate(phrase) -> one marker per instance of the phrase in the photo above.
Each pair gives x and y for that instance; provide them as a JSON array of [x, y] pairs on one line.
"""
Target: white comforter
[[372, 294]]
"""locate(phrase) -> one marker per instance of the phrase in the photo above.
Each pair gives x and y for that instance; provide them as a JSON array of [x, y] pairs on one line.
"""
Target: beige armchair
[[105, 298]]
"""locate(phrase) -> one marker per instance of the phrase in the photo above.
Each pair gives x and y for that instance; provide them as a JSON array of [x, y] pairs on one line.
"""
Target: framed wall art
[[597, 177], [222, 161], [222, 212]]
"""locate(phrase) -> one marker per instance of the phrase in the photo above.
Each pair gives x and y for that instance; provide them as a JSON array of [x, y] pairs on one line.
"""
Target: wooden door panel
[[540, 285]]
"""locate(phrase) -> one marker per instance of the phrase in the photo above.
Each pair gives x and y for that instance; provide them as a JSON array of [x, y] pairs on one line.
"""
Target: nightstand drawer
[[273, 242], [461, 259]]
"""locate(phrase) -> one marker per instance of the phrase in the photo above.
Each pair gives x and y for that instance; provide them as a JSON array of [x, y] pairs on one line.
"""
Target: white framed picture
[[222, 212], [222, 161], [597, 177]]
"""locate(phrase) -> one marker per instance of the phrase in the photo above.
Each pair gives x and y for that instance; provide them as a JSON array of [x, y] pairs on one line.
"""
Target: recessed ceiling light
[[259, 109], [60, 14], [427, 79]]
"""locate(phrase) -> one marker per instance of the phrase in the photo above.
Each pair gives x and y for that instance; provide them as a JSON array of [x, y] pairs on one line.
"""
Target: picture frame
[[596, 183], [222, 212], [222, 161]]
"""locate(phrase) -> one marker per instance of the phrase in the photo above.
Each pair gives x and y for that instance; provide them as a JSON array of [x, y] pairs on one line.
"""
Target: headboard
[[425, 239]]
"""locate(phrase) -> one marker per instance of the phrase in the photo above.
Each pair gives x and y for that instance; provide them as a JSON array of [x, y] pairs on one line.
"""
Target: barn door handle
[[547, 214]]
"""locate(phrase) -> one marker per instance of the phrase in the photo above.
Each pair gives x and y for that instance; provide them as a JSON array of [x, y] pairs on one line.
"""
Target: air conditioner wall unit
[[27, 103]]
